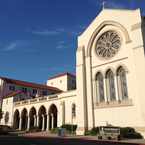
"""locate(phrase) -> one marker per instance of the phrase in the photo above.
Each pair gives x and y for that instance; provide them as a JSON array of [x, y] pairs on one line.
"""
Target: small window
[[52, 84], [24, 90], [73, 110], [60, 81], [12, 88], [33, 97], [34, 91], [44, 93]]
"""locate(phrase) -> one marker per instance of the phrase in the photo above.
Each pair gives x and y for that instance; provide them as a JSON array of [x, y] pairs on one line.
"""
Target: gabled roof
[[30, 84], [62, 74]]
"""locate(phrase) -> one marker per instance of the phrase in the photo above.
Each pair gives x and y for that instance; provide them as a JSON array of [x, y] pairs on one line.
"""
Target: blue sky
[[38, 38]]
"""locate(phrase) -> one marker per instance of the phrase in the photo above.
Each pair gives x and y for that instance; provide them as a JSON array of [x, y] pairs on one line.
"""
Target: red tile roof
[[31, 85], [62, 74], [14, 93]]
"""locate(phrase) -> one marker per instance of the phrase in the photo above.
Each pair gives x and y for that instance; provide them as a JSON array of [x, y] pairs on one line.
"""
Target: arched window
[[100, 87], [122, 83], [110, 86], [73, 110]]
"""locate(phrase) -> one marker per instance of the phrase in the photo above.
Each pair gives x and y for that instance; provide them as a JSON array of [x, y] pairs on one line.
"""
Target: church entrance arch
[[52, 116]]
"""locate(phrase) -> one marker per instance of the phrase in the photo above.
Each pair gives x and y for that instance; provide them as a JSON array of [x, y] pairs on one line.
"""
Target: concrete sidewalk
[[48, 134]]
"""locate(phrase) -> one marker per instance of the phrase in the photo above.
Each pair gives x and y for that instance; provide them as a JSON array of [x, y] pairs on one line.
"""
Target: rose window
[[108, 44]]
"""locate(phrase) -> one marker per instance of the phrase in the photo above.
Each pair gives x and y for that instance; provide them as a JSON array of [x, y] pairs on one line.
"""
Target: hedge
[[69, 127], [94, 131], [130, 133]]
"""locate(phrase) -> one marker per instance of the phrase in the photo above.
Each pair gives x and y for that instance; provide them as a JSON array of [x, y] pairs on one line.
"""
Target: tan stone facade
[[122, 102]]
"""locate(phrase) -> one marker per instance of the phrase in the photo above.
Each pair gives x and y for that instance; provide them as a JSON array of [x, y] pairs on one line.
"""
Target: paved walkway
[[15, 140], [48, 134]]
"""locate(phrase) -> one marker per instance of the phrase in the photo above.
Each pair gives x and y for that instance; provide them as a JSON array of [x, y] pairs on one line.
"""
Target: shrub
[[69, 127], [4, 129], [54, 130], [130, 133], [94, 131]]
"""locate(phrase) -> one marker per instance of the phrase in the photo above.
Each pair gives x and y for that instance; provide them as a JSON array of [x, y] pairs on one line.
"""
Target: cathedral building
[[109, 86]]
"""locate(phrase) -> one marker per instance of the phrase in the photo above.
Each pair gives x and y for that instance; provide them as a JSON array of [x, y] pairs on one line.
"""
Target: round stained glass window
[[108, 44]]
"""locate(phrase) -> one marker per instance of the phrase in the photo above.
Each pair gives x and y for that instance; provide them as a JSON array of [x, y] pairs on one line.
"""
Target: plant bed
[[93, 132], [70, 129]]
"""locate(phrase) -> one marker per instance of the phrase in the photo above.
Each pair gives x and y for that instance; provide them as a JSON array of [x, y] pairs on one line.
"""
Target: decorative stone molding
[[122, 65], [136, 26], [80, 48], [140, 46], [110, 62], [101, 26], [111, 104]]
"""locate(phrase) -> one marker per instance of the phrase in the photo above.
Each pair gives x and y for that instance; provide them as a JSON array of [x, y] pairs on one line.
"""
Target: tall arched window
[[100, 87], [122, 83], [110, 86]]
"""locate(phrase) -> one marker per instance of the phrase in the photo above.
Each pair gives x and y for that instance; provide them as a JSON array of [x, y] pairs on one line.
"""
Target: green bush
[[69, 127], [126, 130], [54, 130], [4, 129], [90, 132], [94, 131], [130, 133]]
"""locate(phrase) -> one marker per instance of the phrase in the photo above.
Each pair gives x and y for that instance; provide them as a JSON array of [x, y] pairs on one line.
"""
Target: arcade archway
[[42, 118], [16, 119], [32, 116], [24, 116], [52, 117]]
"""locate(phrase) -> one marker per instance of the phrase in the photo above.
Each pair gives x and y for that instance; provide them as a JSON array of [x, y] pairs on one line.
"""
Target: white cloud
[[61, 45], [48, 32], [18, 45], [54, 32], [45, 32], [61, 42], [12, 46]]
